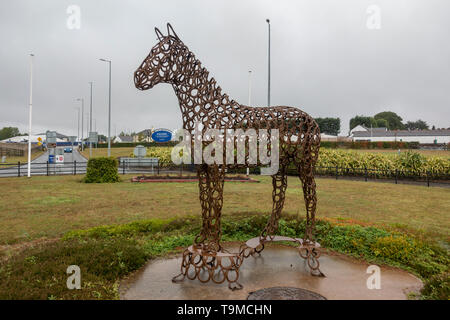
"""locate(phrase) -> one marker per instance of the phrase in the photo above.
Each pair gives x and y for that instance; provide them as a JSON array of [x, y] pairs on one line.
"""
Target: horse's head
[[162, 64]]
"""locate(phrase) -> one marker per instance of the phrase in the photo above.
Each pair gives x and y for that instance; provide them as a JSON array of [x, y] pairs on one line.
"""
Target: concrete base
[[278, 265]]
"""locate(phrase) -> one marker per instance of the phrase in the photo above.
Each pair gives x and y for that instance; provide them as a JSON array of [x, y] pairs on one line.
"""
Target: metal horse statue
[[202, 101]]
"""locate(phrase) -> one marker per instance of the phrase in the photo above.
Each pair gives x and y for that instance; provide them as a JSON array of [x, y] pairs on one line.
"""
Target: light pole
[[90, 122], [78, 132], [249, 100], [30, 116], [109, 108], [82, 120], [268, 83]]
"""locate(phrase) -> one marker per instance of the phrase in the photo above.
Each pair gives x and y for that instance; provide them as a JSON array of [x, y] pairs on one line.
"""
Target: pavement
[[345, 278]]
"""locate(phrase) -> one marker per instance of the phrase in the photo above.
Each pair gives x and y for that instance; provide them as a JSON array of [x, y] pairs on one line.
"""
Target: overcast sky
[[325, 59]]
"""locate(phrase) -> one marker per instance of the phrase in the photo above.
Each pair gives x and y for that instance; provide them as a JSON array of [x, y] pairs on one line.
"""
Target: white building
[[382, 134]]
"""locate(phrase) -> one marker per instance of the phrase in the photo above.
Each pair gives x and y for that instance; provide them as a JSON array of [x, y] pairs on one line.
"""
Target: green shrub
[[102, 169], [437, 287], [40, 272]]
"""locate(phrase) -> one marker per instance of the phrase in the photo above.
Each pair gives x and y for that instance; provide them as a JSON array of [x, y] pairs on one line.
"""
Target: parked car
[[68, 150]]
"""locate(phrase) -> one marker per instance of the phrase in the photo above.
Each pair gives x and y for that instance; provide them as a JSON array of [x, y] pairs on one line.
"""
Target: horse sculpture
[[202, 101]]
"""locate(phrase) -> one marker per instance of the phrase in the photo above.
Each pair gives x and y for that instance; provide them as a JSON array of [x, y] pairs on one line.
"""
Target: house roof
[[126, 138], [146, 132], [58, 135], [402, 133]]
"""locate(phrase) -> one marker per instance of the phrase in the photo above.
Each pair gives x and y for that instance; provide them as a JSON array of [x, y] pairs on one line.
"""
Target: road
[[73, 163]]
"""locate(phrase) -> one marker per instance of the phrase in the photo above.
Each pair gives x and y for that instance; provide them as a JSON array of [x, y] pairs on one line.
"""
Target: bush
[[102, 169]]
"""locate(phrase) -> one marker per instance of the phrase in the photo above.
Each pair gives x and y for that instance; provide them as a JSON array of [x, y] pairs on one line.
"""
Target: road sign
[[162, 135], [59, 159], [140, 151], [39, 141], [50, 137], [93, 137], [72, 139]]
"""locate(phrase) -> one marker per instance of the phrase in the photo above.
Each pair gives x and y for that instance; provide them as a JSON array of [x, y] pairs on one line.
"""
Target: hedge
[[102, 169]]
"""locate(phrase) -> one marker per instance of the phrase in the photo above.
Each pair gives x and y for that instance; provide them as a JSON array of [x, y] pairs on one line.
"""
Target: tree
[[382, 123], [433, 128], [329, 125], [9, 132], [394, 120], [363, 121], [417, 125]]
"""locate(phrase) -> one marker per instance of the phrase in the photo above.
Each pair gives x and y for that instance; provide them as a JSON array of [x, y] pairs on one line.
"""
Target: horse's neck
[[197, 94]]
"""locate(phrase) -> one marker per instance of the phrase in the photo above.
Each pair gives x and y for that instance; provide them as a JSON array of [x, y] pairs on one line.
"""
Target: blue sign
[[51, 158], [162, 135]]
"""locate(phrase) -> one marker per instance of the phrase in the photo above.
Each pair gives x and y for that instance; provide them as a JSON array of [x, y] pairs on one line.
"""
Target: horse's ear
[[170, 31], [159, 34]]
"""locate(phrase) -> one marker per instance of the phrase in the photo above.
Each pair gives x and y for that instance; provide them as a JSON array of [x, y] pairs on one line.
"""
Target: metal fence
[[365, 174]]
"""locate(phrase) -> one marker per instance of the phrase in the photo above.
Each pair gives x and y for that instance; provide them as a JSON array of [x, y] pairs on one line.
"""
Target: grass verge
[[107, 253]]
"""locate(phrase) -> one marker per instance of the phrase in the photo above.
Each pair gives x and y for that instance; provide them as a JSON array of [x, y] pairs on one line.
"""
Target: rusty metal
[[202, 100]]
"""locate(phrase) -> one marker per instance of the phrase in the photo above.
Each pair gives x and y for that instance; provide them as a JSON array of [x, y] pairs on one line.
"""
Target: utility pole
[[268, 80], [109, 108], [30, 116]]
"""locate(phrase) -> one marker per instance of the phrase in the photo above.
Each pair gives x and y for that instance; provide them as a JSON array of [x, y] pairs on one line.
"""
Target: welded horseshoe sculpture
[[202, 101]]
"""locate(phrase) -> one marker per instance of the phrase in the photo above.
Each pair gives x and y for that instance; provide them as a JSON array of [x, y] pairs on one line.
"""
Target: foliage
[[394, 120], [405, 162], [330, 126], [8, 132], [363, 121], [40, 272], [417, 125], [101, 170]]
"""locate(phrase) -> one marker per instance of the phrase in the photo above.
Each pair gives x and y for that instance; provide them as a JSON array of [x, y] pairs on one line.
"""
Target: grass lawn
[[23, 159], [50, 206], [103, 152]]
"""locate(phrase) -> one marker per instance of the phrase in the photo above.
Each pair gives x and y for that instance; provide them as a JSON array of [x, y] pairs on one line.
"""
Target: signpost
[[93, 138], [162, 135], [140, 151]]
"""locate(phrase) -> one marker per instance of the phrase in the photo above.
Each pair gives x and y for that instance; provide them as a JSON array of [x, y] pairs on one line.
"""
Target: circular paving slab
[[278, 266], [284, 293]]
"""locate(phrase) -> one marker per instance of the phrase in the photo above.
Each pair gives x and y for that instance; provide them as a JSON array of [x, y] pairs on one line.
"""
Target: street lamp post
[[82, 120], [90, 122], [249, 101], [268, 83], [78, 132], [109, 108], [30, 116]]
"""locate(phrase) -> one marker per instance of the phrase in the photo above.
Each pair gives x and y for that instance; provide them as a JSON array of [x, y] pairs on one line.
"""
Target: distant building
[[123, 139], [382, 134], [60, 136]]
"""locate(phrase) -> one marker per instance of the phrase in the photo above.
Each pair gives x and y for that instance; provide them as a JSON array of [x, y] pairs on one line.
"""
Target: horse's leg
[[211, 221], [308, 250], [279, 185], [191, 260]]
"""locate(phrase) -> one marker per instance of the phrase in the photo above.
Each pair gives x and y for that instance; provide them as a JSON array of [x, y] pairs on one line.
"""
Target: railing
[[153, 167]]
